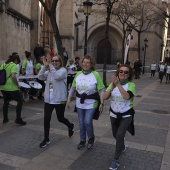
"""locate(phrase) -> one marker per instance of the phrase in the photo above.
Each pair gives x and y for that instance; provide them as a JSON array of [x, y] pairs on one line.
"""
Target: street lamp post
[[87, 7], [146, 45], [162, 46]]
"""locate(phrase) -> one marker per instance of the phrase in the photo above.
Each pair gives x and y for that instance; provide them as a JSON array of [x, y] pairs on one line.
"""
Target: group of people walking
[[90, 96]]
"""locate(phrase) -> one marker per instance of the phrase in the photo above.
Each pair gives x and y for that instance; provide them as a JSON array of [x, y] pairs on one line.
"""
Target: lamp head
[[87, 7], [129, 30], [146, 41]]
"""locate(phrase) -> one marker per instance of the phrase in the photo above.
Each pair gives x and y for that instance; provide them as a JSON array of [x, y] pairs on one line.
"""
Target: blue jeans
[[85, 117]]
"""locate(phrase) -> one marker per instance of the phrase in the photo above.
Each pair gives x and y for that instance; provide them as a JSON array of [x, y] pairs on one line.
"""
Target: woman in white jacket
[[55, 95]]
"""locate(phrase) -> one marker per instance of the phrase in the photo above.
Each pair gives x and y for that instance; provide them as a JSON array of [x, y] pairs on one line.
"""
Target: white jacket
[[59, 83]]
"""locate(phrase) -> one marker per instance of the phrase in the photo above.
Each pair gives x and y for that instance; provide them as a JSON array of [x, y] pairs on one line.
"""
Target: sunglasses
[[55, 61], [122, 71]]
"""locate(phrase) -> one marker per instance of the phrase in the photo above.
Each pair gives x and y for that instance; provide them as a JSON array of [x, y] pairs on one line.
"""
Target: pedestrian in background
[[38, 51], [38, 67], [27, 68], [65, 56], [27, 65], [47, 50], [161, 71], [88, 85], [55, 95], [77, 63], [71, 68], [137, 68], [153, 69], [121, 92], [168, 73], [10, 90]]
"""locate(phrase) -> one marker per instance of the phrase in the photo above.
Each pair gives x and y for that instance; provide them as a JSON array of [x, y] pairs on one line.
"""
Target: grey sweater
[[59, 82]]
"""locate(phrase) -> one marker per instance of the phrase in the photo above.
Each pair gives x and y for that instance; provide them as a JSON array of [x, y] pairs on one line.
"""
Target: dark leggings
[[119, 134], [12, 95], [161, 75], [48, 109], [70, 79], [152, 73]]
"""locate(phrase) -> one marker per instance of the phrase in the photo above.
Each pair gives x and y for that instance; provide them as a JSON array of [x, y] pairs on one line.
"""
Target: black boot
[[5, 120], [20, 122]]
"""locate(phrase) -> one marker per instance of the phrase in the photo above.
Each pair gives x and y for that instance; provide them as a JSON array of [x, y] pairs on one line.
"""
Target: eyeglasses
[[122, 71], [55, 61], [86, 62]]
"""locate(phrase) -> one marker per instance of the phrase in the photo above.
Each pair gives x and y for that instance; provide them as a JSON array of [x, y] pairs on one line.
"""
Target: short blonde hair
[[92, 60]]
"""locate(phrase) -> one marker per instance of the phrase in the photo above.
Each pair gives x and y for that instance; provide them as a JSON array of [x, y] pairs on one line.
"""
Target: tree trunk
[[56, 34], [123, 45], [139, 45], [51, 13], [106, 43]]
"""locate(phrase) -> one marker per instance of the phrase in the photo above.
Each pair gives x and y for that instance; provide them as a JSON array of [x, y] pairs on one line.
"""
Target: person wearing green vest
[[38, 67], [121, 93], [89, 88], [27, 68], [10, 90]]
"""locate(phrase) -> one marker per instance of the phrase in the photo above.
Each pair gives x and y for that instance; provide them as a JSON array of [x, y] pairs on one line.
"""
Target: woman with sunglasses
[[122, 92], [55, 95]]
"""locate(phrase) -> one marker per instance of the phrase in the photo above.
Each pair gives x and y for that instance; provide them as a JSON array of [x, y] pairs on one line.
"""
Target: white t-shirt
[[70, 69], [88, 84], [162, 67], [29, 68], [153, 66], [118, 103], [168, 70]]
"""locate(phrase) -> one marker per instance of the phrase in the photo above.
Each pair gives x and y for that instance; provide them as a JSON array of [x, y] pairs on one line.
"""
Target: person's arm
[[37, 68], [24, 64], [36, 71], [14, 78], [72, 90], [107, 93]]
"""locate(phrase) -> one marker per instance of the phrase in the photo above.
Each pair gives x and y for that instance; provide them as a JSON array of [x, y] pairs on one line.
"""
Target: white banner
[[127, 47]]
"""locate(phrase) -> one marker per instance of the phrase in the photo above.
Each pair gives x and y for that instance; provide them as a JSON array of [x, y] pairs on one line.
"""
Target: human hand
[[115, 80], [45, 63], [68, 104], [48, 58], [101, 108]]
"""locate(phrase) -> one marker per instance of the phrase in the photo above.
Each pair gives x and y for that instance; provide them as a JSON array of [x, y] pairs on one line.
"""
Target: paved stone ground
[[149, 149]]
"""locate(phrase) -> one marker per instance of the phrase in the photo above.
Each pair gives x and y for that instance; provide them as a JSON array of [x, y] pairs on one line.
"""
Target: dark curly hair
[[27, 54], [131, 73]]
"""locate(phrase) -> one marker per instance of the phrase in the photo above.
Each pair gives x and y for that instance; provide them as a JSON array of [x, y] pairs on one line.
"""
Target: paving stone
[[131, 159], [25, 142], [6, 167], [158, 120]]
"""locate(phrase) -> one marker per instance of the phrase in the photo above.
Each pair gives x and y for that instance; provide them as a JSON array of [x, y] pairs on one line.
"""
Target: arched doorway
[[101, 48]]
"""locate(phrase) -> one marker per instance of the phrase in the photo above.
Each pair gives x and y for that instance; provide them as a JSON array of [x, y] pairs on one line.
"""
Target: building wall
[[18, 36], [15, 34]]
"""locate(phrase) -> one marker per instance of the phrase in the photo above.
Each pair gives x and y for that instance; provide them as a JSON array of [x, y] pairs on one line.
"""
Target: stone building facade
[[15, 27], [24, 23]]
